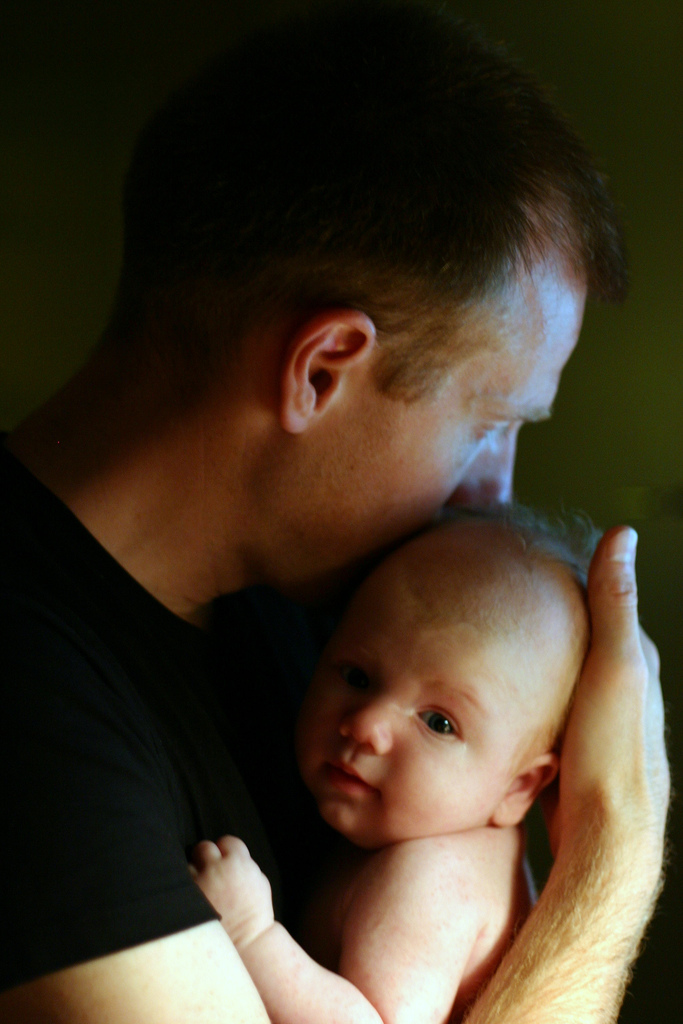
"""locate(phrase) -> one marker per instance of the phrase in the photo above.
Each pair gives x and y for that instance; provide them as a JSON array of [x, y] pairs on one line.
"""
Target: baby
[[432, 723]]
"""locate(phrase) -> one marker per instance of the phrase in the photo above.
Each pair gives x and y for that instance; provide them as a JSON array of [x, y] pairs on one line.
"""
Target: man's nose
[[488, 479], [369, 726]]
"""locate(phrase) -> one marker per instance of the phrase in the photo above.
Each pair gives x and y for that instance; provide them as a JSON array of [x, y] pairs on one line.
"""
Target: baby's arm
[[431, 918], [423, 917], [293, 987]]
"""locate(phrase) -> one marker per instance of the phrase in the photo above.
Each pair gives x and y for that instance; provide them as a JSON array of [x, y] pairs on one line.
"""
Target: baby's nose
[[369, 726]]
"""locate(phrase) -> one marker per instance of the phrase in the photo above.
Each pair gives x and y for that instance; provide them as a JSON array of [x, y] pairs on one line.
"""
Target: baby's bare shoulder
[[479, 866], [475, 851]]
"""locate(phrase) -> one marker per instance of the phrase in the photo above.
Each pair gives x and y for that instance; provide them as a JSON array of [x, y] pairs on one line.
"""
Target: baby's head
[[438, 704]]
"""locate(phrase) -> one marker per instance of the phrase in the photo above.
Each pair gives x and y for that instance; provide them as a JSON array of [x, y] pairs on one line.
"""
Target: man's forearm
[[572, 959]]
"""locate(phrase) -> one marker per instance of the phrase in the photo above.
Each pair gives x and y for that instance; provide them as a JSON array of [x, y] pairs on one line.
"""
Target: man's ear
[[317, 361], [524, 789]]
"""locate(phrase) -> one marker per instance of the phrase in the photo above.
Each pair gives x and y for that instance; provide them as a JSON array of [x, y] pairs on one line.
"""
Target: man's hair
[[382, 156]]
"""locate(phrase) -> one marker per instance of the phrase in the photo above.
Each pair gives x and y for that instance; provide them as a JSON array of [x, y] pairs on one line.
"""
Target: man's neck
[[135, 473]]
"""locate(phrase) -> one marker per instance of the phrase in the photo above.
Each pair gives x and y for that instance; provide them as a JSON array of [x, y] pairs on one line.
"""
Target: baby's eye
[[355, 677], [438, 723]]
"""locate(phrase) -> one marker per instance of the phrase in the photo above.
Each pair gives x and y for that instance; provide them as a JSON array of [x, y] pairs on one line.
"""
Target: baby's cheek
[[427, 804]]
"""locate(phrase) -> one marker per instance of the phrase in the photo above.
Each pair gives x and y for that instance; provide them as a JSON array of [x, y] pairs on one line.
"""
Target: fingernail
[[624, 546]]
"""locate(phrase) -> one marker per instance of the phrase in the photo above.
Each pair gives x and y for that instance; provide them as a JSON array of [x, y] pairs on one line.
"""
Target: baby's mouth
[[345, 778]]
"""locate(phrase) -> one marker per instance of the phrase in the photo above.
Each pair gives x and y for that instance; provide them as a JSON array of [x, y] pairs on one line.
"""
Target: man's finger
[[613, 594]]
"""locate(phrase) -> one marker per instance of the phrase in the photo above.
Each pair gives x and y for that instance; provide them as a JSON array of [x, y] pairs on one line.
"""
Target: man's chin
[[329, 589], [328, 592]]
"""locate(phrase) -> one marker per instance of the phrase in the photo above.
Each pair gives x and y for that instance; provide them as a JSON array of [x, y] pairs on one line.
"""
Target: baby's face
[[415, 723]]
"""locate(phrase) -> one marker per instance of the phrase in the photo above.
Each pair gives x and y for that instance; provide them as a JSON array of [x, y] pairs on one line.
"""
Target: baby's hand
[[235, 885]]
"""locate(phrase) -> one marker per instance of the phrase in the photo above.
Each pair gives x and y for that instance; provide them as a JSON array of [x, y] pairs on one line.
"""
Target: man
[[357, 252]]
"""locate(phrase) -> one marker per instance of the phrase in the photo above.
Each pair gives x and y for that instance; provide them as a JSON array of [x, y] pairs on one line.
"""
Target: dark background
[[77, 81]]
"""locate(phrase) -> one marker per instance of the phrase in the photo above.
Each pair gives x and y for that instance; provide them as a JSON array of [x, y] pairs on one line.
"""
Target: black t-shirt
[[125, 735]]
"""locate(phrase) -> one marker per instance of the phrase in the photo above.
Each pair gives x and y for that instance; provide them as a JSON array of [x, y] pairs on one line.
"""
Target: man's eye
[[438, 723], [355, 677]]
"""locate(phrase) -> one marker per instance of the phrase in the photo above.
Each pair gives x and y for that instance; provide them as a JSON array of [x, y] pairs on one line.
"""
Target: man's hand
[[571, 959], [614, 760], [236, 887]]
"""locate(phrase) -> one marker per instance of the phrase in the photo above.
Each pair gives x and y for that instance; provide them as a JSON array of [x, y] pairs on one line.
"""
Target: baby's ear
[[524, 789]]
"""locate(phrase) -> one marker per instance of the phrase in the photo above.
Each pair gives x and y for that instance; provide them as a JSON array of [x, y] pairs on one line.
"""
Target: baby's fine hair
[[569, 538]]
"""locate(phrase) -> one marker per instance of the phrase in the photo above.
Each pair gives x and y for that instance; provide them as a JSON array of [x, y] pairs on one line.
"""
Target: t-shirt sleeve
[[91, 858]]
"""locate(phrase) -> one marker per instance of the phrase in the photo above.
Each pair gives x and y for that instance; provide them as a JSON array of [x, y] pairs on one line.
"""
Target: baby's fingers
[[203, 855], [231, 846]]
